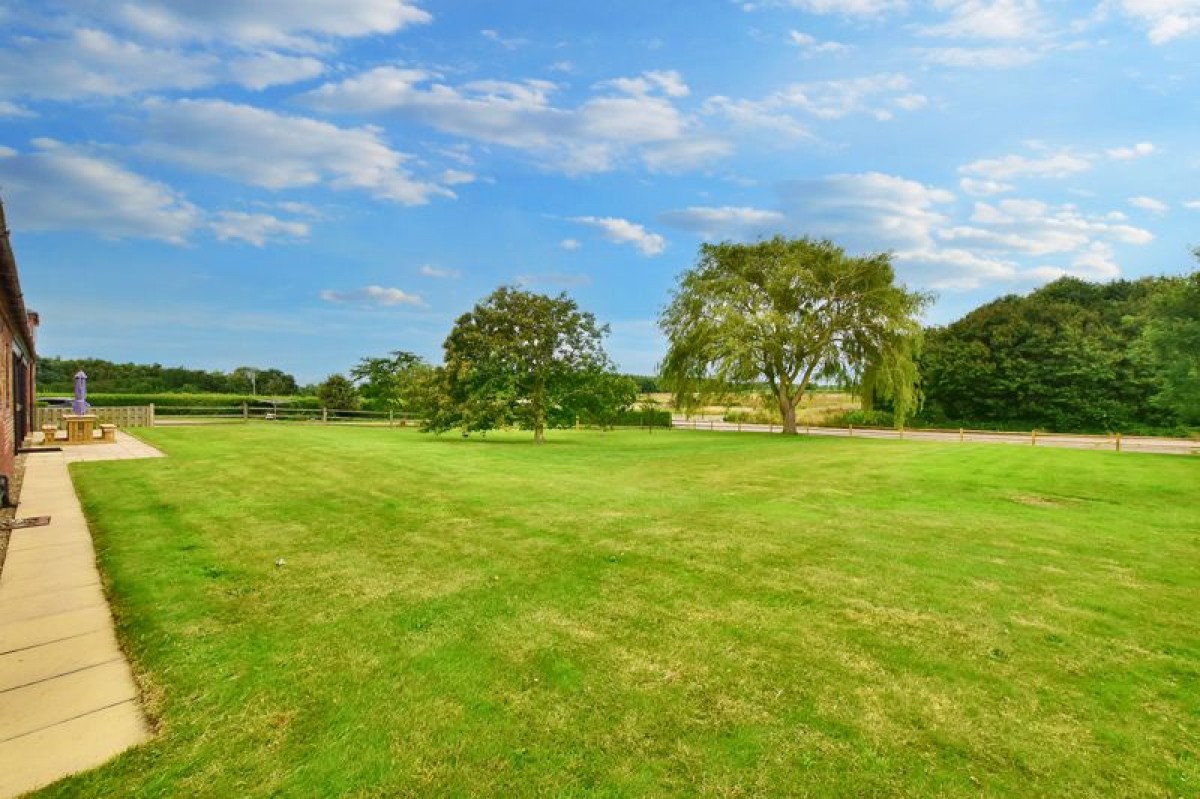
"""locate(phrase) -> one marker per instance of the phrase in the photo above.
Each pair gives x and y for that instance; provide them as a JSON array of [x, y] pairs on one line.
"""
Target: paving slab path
[[68, 701]]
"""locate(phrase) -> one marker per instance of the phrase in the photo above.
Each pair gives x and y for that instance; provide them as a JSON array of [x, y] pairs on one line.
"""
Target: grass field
[[648, 615]]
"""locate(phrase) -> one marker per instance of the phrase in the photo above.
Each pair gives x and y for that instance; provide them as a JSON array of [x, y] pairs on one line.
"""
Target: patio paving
[[68, 701]]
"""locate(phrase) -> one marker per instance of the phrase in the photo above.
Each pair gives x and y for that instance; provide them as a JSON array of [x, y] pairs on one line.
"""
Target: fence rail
[[123, 416], [1114, 441], [207, 414]]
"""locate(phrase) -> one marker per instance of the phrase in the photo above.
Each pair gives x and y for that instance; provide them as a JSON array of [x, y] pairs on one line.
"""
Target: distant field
[[666, 614], [814, 408]]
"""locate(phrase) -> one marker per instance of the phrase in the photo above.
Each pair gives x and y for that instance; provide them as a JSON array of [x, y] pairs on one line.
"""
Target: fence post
[[324, 414], [711, 425], [151, 414], [391, 418], [1033, 438], [901, 432], [852, 431], [961, 436], [1118, 441], [770, 427], [245, 412], [739, 427]]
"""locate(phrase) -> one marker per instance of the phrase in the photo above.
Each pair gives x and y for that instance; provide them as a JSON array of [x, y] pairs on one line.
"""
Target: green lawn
[[670, 614]]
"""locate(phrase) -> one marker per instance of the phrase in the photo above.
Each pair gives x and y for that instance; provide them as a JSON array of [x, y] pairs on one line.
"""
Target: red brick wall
[[7, 434]]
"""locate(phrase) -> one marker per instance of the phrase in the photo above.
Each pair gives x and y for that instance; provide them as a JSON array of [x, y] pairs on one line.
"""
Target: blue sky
[[301, 183]]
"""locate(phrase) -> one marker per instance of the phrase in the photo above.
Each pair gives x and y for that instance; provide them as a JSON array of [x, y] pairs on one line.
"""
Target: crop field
[[634, 614], [814, 408]]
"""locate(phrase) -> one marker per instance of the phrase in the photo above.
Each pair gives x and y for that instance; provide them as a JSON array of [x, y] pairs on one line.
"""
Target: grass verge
[[673, 613]]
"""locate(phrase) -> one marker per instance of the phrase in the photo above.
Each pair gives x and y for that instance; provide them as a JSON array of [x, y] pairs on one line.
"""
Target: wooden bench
[[108, 432]]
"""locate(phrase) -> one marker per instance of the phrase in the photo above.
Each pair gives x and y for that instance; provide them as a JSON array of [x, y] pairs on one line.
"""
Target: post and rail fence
[[150, 415], [1116, 442]]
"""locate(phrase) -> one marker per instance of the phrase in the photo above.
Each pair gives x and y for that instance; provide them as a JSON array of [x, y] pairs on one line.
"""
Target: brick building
[[18, 360]]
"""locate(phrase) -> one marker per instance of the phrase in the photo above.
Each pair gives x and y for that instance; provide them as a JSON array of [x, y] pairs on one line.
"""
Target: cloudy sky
[[300, 183]]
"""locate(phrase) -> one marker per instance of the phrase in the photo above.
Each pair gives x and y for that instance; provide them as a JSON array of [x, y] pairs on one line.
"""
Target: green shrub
[[860, 418]]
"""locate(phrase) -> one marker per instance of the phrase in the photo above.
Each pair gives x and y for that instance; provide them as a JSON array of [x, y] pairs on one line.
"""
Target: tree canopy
[[338, 393], [519, 358], [1066, 357], [57, 375], [1173, 336], [393, 382], [789, 311]]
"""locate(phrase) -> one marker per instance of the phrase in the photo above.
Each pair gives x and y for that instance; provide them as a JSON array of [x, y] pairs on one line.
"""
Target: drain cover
[[32, 521]]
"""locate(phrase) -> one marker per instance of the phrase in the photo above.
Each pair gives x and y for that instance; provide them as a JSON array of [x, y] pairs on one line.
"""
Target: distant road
[[1164, 446]]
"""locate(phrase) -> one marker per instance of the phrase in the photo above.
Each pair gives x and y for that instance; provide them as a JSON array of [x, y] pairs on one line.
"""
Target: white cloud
[[684, 154], [262, 148], [440, 273], [980, 57], [591, 137], [984, 188], [1192, 204], [920, 225], [845, 8], [457, 177], [1096, 263], [272, 69], [56, 187], [373, 295], [1149, 204], [12, 110], [988, 19], [256, 229], [622, 231], [1139, 150], [874, 95], [810, 45], [1164, 20], [298, 24], [725, 221], [870, 210], [506, 43], [570, 244], [1054, 165], [92, 63], [669, 82]]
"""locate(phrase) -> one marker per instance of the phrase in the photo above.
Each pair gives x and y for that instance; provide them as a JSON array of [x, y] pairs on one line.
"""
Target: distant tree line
[[57, 375], [1072, 356]]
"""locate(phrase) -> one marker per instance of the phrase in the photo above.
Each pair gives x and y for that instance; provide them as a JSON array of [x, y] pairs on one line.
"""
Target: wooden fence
[[1112, 441], [126, 416]]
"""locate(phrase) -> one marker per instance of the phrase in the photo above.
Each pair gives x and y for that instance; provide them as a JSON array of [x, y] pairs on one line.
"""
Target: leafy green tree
[[338, 393], [393, 382], [789, 311], [1066, 357], [518, 357], [606, 396], [1173, 337]]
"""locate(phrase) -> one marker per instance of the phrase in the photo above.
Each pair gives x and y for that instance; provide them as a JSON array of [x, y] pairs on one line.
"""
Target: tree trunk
[[538, 402], [787, 408]]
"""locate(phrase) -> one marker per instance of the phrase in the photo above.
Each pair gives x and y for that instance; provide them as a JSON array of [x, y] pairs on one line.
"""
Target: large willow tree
[[790, 311]]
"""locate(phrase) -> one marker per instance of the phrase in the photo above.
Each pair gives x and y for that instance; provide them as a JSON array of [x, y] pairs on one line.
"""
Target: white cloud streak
[[256, 229], [631, 121], [57, 187], [373, 296], [275, 151], [622, 231]]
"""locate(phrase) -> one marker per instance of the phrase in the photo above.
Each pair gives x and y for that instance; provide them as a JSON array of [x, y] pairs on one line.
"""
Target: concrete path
[[68, 701]]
